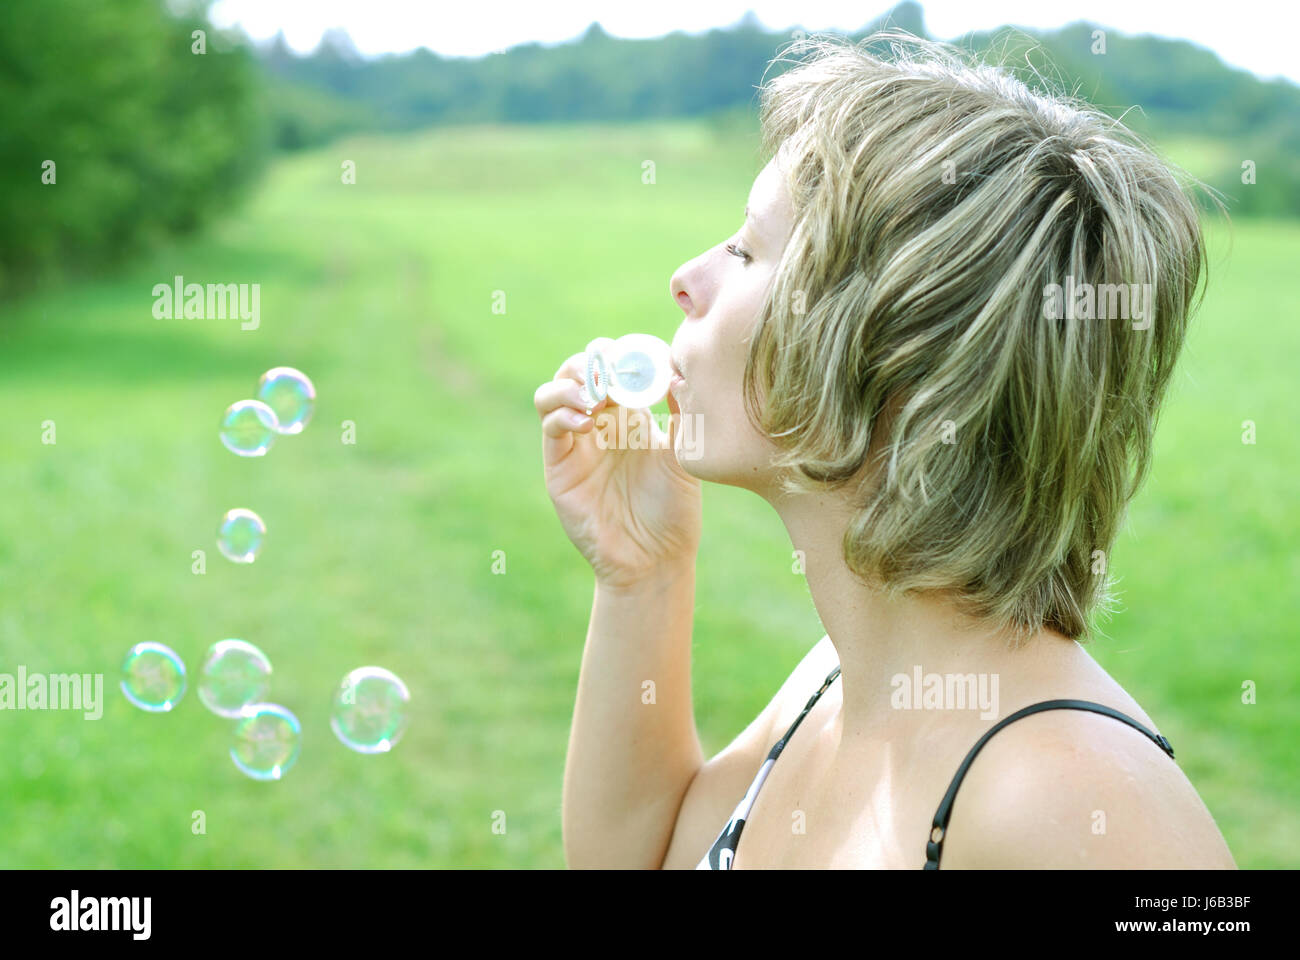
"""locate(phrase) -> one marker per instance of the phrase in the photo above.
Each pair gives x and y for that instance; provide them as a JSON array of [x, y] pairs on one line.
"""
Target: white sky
[[1258, 35]]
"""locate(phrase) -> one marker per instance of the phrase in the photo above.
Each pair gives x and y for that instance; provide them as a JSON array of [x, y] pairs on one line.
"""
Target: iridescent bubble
[[153, 677], [370, 710], [248, 428], [234, 675], [290, 394], [267, 740], [241, 535]]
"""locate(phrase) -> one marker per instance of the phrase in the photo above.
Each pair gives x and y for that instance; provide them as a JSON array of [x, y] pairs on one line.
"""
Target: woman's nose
[[677, 289]]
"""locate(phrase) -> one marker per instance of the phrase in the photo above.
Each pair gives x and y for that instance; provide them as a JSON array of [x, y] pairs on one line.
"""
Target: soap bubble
[[234, 675], [241, 535], [290, 394], [153, 677], [267, 741], [370, 710], [249, 427]]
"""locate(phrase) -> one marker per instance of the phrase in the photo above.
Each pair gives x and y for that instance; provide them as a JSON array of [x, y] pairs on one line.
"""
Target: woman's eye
[[736, 251]]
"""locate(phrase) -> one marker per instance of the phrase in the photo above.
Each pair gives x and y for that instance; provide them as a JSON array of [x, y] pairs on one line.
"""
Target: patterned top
[[723, 850]]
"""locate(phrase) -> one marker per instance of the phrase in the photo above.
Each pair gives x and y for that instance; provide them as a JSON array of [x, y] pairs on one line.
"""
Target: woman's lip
[[677, 378]]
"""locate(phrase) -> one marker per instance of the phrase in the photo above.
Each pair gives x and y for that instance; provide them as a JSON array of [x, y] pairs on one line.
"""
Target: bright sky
[[1256, 34]]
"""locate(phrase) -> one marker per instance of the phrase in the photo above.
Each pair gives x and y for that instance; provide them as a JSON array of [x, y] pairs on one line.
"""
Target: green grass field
[[382, 551]]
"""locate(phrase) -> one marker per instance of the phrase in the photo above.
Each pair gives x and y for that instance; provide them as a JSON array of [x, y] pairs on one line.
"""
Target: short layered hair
[[937, 198]]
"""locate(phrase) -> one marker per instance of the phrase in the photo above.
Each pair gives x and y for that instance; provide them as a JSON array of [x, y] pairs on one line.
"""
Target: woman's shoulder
[[1067, 788]]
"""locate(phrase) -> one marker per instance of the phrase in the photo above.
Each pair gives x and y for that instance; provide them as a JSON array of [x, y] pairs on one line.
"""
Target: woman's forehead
[[768, 197]]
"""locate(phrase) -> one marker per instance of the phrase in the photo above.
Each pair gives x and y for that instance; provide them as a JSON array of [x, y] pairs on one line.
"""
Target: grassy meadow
[[382, 551]]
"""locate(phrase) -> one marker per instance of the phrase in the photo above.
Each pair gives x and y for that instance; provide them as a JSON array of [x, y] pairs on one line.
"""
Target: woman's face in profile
[[721, 292]]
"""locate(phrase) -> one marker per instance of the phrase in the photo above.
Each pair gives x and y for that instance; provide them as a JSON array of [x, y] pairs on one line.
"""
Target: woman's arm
[[633, 746], [635, 515]]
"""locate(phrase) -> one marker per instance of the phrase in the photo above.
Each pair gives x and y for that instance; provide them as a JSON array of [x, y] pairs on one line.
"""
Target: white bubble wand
[[634, 371]]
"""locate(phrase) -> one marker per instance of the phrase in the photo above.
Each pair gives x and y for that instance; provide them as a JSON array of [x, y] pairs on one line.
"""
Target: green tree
[[142, 135]]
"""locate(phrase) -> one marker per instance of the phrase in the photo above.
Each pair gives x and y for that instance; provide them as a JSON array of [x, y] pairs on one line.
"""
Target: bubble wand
[[634, 371]]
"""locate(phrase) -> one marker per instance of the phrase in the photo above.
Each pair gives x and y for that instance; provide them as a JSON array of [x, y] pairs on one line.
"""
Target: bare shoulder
[[1077, 789]]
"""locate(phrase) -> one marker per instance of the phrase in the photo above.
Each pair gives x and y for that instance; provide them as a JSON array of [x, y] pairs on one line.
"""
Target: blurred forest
[[1178, 89], [147, 137], [114, 133]]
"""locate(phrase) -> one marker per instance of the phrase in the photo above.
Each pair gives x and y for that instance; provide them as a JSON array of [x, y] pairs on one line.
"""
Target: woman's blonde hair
[[937, 201]]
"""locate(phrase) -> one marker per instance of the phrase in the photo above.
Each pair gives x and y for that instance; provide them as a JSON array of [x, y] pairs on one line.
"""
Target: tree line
[[125, 122]]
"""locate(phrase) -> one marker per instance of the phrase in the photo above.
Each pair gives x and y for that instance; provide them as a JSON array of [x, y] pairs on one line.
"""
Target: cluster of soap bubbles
[[370, 709], [285, 402], [369, 713]]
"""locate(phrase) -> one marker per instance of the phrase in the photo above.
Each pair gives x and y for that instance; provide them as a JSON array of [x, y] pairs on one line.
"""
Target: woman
[[918, 350]]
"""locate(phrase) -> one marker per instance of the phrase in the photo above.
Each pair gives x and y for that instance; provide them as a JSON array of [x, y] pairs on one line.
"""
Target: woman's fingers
[[564, 420], [561, 406], [557, 393], [565, 387]]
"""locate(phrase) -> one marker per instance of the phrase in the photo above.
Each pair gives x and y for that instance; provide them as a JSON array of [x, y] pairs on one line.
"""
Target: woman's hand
[[632, 513]]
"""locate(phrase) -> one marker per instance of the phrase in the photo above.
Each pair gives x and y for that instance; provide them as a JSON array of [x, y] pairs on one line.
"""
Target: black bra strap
[[780, 744], [934, 848]]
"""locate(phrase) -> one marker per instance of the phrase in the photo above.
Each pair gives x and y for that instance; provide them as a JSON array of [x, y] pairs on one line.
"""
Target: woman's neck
[[887, 644]]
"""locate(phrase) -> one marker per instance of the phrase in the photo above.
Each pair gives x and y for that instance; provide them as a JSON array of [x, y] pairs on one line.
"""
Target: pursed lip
[[677, 370], [676, 381]]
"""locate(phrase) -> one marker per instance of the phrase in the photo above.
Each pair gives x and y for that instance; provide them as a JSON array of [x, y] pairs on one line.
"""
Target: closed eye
[[736, 251]]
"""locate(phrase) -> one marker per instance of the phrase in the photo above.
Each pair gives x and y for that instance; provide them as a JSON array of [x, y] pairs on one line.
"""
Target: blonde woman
[[882, 352]]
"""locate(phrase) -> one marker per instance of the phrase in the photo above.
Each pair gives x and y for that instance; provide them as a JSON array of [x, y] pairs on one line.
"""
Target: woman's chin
[[708, 469], [688, 462]]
